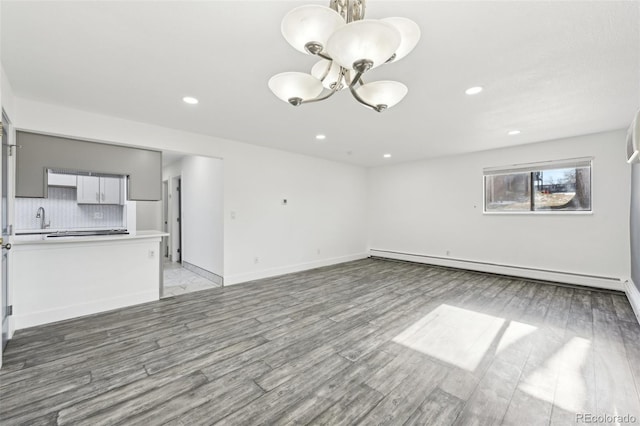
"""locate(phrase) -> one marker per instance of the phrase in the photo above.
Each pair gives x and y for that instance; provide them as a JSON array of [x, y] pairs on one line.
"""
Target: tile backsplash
[[63, 212]]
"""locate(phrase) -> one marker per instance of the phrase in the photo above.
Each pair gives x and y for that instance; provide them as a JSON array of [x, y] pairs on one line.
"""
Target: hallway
[[179, 280]]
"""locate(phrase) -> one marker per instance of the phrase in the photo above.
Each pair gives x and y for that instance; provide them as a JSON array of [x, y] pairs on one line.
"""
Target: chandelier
[[348, 46]]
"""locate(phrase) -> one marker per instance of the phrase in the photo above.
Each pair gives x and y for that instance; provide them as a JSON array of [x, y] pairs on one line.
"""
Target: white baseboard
[[610, 283], [634, 297], [44, 317], [272, 272]]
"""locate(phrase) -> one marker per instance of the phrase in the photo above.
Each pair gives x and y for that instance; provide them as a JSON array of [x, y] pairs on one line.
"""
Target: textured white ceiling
[[550, 69]]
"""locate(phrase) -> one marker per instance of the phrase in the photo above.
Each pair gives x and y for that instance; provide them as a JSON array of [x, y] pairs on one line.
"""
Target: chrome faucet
[[40, 214]]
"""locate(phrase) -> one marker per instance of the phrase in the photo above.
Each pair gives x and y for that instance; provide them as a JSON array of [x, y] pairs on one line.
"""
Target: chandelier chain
[[350, 10]]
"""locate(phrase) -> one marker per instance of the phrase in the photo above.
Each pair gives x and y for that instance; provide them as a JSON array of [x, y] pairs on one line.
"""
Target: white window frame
[[534, 167]]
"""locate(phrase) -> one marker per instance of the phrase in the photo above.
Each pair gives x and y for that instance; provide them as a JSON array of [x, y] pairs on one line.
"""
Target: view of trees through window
[[510, 192], [561, 189]]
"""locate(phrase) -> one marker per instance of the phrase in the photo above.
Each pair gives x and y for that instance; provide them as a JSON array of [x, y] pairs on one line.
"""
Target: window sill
[[540, 213]]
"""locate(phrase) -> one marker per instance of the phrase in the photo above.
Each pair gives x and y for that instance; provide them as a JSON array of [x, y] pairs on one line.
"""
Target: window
[[553, 186]]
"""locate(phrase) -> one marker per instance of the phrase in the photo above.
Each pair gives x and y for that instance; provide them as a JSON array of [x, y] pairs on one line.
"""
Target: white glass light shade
[[312, 23], [387, 93], [332, 77], [288, 85], [409, 35], [367, 39]]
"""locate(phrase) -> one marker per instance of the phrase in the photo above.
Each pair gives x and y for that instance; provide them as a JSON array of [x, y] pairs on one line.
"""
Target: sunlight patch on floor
[[513, 334], [570, 392], [454, 335]]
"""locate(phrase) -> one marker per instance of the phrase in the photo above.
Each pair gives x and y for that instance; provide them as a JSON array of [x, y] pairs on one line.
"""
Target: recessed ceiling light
[[473, 90], [321, 137], [387, 156], [513, 132], [190, 100]]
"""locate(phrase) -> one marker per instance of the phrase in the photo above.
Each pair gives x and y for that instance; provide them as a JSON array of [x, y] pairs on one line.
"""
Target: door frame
[[166, 251], [175, 210], [10, 132]]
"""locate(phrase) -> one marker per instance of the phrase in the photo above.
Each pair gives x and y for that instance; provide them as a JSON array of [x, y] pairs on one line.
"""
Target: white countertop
[[42, 239]]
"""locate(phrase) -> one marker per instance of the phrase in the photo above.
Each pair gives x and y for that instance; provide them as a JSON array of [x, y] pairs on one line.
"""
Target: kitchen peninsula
[[76, 249], [66, 277]]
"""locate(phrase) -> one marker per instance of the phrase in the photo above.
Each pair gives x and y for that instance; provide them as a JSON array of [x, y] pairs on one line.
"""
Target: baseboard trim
[[634, 297], [609, 283], [68, 312], [202, 272], [272, 272]]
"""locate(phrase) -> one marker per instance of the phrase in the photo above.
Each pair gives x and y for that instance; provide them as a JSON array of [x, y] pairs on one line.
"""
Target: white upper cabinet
[[110, 190], [58, 179], [99, 190], [88, 190]]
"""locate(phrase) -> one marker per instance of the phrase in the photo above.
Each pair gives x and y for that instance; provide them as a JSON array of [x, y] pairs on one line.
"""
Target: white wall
[[202, 213], [6, 94], [429, 207], [327, 199], [171, 170], [325, 210], [149, 215]]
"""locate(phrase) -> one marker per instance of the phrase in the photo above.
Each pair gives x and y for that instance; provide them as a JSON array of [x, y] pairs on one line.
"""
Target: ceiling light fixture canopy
[[348, 46]]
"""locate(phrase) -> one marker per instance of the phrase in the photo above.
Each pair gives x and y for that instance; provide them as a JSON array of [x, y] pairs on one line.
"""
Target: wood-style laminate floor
[[369, 342]]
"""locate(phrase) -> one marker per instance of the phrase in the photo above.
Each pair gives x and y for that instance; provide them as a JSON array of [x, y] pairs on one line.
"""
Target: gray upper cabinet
[[36, 153]]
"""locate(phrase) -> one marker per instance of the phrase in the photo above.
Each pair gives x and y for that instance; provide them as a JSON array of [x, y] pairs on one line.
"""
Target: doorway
[[195, 224]]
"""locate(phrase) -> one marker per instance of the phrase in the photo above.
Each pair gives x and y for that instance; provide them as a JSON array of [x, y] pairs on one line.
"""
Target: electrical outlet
[[233, 215], [152, 254], [318, 251], [98, 215], [256, 260], [448, 252]]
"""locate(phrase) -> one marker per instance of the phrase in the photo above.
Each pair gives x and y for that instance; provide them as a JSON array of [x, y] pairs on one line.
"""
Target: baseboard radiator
[[596, 281]]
